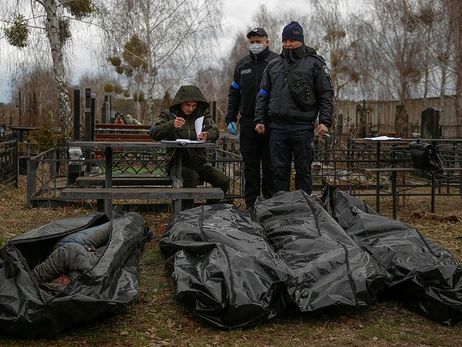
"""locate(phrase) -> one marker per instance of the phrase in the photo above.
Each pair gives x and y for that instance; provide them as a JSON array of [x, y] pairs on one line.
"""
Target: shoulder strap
[[287, 67], [320, 58]]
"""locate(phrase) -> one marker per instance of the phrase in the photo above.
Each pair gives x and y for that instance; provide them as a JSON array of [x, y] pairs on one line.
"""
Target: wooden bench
[[146, 193], [143, 193], [124, 180], [122, 132], [127, 180], [121, 127], [123, 137], [109, 192]]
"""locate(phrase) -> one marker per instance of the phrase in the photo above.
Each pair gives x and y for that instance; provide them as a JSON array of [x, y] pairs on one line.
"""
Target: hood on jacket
[[189, 93]]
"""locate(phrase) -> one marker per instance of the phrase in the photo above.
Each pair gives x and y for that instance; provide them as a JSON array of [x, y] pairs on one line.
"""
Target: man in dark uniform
[[177, 122], [292, 125], [241, 98]]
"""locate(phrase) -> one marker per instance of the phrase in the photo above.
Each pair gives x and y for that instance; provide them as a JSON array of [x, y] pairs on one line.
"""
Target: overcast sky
[[237, 16]]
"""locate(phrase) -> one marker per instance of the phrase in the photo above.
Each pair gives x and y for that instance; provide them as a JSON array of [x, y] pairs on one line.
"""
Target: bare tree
[[393, 49], [426, 16], [274, 22], [53, 18], [271, 22], [215, 80], [439, 50], [439, 24], [37, 87], [337, 40], [133, 65], [173, 32], [455, 13]]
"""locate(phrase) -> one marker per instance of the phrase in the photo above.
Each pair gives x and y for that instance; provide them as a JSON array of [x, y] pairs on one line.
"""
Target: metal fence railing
[[48, 172], [8, 164], [51, 171], [346, 167]]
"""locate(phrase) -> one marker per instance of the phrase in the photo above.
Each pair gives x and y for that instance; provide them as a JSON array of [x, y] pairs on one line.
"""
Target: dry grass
[[156, 319]]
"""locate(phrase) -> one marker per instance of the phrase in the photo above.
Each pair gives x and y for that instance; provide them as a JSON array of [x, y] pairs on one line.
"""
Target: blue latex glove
[[232, 129]]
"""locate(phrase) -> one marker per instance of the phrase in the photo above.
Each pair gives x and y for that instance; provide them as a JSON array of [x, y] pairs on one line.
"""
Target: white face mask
[[256, 48]]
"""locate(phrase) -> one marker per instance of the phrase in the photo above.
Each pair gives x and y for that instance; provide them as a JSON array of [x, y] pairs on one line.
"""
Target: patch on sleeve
[[326, 71]]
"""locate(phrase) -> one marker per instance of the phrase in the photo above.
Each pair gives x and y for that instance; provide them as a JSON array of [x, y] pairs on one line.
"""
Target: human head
[[187, 94], [292, 35], [188, 107], [258, 40]]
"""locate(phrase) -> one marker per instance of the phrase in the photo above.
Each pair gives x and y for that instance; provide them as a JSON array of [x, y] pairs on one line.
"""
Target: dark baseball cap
[[257, 31]]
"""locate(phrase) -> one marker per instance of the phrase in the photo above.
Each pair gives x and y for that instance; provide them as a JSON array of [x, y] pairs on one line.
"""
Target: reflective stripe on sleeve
[[235, 85]]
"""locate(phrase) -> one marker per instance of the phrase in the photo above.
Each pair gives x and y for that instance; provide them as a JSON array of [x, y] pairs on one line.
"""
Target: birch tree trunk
[[59, 74], [151, 73], [458, 30]]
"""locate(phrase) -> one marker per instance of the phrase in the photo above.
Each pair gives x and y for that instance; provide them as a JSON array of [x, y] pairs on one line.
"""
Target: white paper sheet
[[382, 138], [181, 141], [198, 124]]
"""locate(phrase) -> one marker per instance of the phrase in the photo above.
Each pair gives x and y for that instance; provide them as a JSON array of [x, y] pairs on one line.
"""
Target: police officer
[[292, 125], [241, 98]]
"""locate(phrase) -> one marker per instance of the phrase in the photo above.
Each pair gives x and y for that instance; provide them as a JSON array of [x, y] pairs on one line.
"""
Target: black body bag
[[299, 88], [425, 156]]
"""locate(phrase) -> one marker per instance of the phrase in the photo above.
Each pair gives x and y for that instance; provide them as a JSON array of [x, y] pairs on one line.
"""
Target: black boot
[[250, 205]]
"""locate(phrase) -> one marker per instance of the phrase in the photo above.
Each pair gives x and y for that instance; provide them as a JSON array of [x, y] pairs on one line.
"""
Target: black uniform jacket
[[244, 89], [274, 100]]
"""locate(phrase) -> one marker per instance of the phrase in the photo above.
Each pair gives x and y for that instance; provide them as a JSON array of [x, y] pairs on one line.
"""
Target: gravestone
[[430, 123]]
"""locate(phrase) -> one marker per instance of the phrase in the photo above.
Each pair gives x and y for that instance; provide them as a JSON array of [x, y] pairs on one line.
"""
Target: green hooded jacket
[[164, 130]]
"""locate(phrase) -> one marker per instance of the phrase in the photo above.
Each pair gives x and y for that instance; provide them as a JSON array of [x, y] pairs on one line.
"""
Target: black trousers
[[289, 141], [206, 173], [255, 150]]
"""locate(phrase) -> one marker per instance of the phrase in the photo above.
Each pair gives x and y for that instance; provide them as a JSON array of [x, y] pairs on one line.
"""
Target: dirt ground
[[157, 319]]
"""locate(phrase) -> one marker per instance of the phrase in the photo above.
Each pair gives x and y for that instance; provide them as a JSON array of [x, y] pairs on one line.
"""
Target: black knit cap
[[294, 31], [257, 31]]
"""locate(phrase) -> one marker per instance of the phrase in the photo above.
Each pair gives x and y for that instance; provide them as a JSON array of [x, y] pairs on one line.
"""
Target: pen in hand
[[179, 121], [174, 115]]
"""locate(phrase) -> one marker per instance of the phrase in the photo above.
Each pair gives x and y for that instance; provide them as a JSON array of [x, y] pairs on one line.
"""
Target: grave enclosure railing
[[51, 171], [48, 172], [8, 164]]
